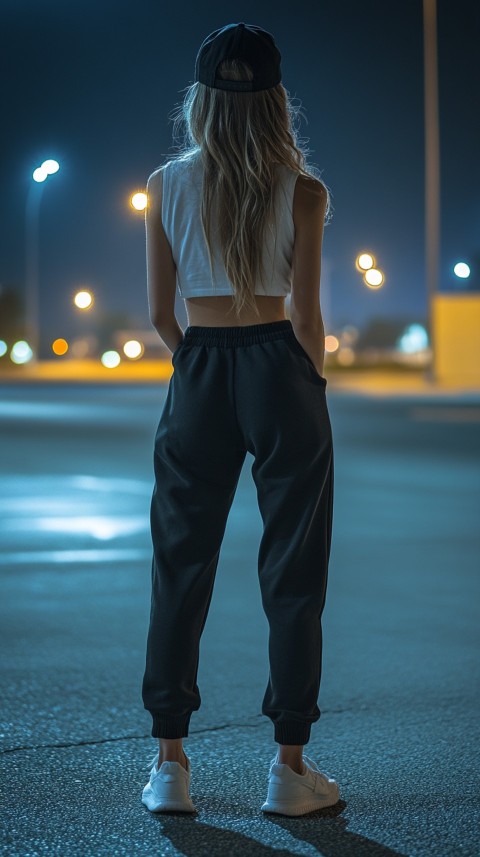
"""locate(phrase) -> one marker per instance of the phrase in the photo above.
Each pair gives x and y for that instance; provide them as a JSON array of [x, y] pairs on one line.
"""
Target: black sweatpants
[[233, 390]]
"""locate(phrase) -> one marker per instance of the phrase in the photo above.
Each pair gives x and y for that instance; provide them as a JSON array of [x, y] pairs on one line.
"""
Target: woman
[[237, 222]]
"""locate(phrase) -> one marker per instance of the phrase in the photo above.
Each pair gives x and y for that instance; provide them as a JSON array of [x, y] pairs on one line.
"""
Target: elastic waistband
[[239, 335]]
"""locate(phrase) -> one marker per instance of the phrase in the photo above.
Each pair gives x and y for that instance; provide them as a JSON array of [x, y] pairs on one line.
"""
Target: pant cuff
[[170, 725], [292, 732]]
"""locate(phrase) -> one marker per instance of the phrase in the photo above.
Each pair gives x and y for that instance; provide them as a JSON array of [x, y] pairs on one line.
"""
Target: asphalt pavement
[[400, 686]]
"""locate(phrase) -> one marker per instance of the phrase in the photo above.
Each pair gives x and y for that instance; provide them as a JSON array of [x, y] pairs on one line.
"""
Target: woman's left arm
[[161, 268]]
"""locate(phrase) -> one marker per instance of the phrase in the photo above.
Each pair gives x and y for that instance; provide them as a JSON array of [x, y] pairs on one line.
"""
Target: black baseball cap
[[239, 41]]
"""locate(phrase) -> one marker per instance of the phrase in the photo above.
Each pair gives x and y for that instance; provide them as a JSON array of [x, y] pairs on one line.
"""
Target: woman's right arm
[[309, 207]]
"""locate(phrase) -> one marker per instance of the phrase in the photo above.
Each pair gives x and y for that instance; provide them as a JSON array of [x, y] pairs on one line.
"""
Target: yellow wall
[[456, 334]]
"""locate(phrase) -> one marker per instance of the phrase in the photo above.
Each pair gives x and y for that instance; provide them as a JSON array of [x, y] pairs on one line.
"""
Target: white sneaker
[[168, 789], [290, 793]]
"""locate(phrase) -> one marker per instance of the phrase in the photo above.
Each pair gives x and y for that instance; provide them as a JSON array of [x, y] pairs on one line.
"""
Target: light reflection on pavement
[[73, 516]]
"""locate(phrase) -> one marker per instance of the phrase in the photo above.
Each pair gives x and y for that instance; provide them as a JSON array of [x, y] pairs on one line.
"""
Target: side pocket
[[298, 347]]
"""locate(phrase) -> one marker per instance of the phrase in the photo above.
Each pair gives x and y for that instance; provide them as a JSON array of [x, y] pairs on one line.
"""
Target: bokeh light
[[413, 339], [60, 346], [462, 270], [373, 278], [50, 166], [110, 359], [346, 356], [80, 348], [349, 335], [83, 300], [133, 349], [331, 344], [21, 352], [365, 261], [39, 175], [139, 201]]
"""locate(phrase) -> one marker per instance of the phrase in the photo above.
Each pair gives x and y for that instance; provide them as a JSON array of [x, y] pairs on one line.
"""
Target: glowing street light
[[462, 270], [364, 261], [374, 278], [50, 166], [139, 201], [83, 299], [133, 349]]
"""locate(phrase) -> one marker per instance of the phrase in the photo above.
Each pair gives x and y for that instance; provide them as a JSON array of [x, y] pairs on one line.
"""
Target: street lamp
[[35, 191], [83, 300], [139, 201], [373, 277], [462, 270]]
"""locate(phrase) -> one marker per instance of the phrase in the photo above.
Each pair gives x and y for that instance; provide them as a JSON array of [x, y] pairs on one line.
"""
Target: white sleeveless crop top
[[181, 201]]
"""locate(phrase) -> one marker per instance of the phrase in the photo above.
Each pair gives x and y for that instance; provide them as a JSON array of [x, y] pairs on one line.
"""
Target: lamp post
[[432, 168], [32, 210]]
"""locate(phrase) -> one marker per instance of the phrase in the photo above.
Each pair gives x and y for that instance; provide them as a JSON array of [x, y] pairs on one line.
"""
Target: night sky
[[94, 84]]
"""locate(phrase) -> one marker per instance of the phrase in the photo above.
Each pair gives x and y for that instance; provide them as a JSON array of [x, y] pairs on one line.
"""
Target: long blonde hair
[[241, 137]]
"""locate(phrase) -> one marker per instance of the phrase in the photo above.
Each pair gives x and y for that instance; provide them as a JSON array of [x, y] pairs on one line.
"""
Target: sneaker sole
[[167, 805], [294, 808]]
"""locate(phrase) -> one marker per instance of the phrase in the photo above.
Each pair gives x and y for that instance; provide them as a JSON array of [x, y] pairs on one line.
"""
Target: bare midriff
[[213, 311]]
